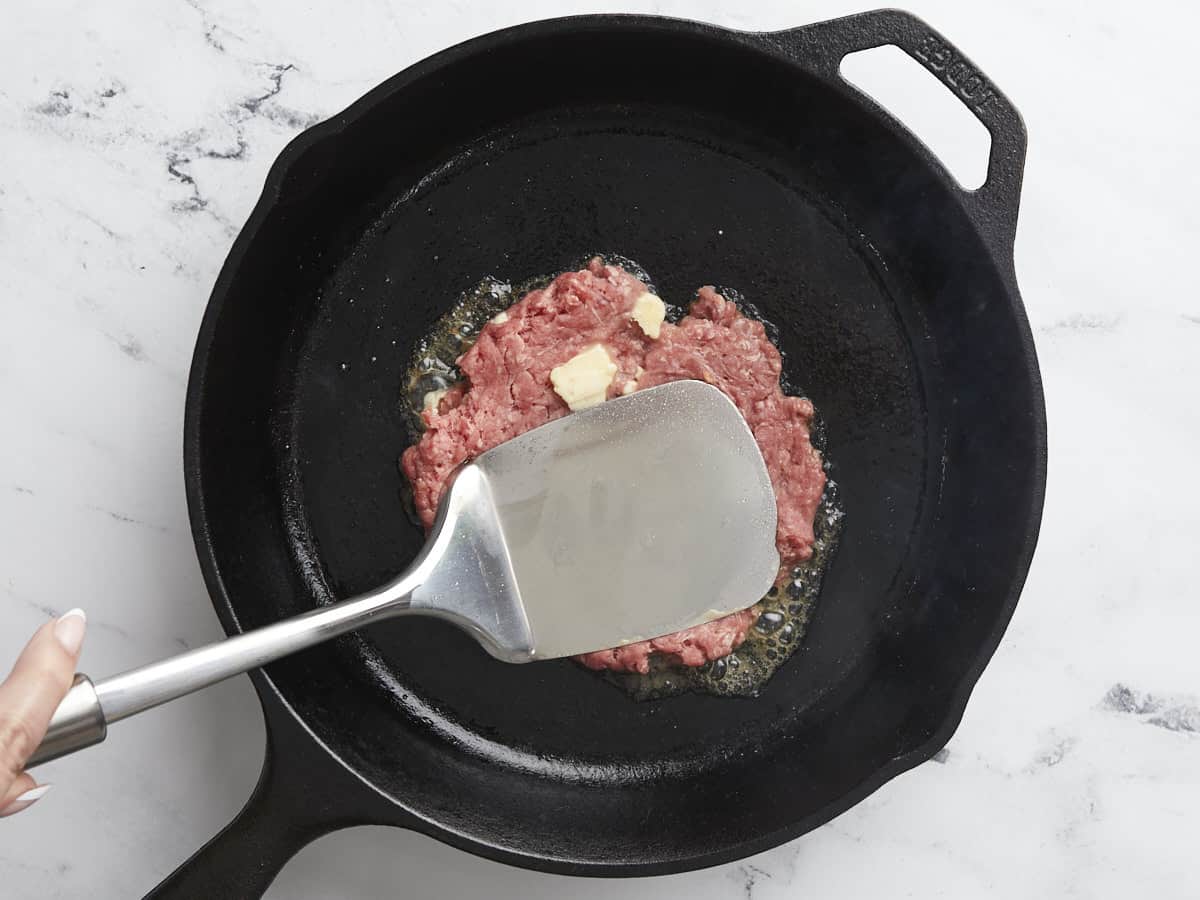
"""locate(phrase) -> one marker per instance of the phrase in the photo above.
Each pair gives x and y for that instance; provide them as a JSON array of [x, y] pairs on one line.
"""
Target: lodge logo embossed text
[[958, 74]]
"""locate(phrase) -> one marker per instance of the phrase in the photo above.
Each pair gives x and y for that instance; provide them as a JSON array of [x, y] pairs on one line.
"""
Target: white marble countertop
[[134, 138]]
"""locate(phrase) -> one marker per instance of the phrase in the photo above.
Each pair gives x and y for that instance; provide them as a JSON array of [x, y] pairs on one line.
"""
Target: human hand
[[28, 698]]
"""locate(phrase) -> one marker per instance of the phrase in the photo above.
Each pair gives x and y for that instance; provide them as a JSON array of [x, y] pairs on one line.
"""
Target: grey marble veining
[[134, 139]]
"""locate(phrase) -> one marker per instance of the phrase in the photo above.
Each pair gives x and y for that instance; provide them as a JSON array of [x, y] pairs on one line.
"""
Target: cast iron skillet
[[708, 156]]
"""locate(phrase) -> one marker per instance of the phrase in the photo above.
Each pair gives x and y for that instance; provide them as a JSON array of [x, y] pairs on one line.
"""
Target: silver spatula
[[626, 521]]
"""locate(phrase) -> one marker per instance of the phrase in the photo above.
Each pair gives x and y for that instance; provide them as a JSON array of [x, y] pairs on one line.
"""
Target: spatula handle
[[82, 719], [78, 722]]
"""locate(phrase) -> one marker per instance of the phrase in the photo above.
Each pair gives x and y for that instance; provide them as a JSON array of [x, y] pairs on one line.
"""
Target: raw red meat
[[506, 391]]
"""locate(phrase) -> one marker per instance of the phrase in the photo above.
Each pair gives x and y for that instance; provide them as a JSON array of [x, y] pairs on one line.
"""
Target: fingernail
[[69, 630], [26, 800]]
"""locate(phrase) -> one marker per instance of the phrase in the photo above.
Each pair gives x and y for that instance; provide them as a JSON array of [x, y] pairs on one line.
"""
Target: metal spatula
[[626, 521]]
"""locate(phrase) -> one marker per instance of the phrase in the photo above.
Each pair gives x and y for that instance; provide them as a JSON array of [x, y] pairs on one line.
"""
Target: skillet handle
[[244, 858], [820, 47], [300, 796]]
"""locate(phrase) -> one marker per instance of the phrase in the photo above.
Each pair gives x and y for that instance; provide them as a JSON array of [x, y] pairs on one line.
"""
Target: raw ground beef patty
[[506, 390]]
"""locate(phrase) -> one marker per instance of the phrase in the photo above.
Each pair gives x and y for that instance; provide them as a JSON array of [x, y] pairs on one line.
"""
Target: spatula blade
[[634, 519]]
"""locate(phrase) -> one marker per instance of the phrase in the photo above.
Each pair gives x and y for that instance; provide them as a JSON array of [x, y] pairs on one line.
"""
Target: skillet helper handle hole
[[824, 47], [891, 79]]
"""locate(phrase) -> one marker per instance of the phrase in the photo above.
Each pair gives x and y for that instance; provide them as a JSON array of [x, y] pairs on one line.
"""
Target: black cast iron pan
[[708, 156]]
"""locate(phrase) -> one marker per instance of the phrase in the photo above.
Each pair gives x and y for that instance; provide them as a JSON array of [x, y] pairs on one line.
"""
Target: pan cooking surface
[[718, 161], [692, 213]]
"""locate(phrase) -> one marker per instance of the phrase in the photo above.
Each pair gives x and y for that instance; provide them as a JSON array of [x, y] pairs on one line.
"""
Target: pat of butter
[[649, 312], [433, 398], [500, 318], [583, 380]]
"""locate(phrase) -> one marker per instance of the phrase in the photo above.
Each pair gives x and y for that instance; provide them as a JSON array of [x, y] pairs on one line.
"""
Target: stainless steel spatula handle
[[82, 719], [462, 575]]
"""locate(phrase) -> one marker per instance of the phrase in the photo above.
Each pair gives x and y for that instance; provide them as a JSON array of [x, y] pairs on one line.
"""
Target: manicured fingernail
[[26, 800], [69, 630]]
